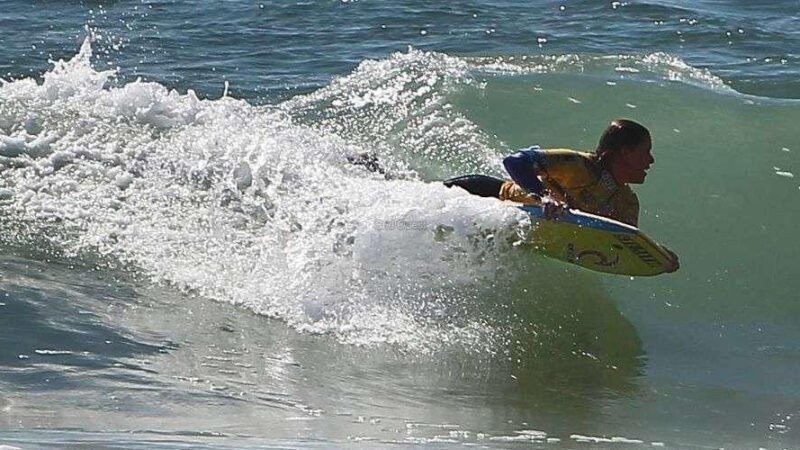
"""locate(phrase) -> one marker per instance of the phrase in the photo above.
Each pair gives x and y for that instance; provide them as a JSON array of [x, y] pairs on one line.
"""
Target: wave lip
[[651, 67]]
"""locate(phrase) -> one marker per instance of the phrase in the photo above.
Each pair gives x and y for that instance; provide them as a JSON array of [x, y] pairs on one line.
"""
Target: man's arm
[[524, 167]]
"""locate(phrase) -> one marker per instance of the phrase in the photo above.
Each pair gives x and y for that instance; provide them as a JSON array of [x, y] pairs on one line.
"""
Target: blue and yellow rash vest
[[572, 177]]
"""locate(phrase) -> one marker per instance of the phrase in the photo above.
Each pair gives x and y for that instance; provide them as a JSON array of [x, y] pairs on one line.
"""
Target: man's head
[[624, 149]]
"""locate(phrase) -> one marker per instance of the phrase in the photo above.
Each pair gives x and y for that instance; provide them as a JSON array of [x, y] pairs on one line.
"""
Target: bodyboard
[[596, 243]]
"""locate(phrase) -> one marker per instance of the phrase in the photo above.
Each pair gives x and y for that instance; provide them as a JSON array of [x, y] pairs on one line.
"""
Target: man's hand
[[553, 209]]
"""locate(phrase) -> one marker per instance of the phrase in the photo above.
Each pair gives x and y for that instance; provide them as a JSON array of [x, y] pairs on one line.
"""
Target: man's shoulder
[[567, 157], [567, 152]]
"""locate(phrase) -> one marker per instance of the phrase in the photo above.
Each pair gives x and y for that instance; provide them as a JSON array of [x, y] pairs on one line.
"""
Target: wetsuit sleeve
[[524, 167]]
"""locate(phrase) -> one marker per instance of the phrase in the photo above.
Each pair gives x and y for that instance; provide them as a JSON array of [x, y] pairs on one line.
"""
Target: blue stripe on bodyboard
[[582, 219]]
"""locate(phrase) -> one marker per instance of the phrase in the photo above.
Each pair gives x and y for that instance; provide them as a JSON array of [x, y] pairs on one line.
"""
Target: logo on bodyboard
[[593, 257]]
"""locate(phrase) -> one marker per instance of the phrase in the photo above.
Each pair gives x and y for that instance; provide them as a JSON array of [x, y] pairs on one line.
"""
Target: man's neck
[[616, 174]]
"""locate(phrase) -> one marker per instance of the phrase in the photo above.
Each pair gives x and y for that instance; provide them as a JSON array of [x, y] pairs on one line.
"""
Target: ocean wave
[[260, 206]]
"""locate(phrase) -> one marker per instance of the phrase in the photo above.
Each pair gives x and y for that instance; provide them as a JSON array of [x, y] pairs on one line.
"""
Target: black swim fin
[[480, 185]]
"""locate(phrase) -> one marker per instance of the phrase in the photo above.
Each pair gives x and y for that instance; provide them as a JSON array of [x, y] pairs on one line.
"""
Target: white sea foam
[[606, 440], [52, 352], [257, 207]]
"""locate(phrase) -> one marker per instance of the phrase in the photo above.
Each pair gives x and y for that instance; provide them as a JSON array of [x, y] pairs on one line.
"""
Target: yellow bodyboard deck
[[597, 243]]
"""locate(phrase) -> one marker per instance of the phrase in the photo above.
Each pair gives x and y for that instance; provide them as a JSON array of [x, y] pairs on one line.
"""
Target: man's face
[[633, 163]]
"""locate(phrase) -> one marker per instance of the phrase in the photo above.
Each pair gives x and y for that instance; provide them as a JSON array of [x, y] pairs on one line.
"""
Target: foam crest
[[399, 108], [151, 104], [71, 78]]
